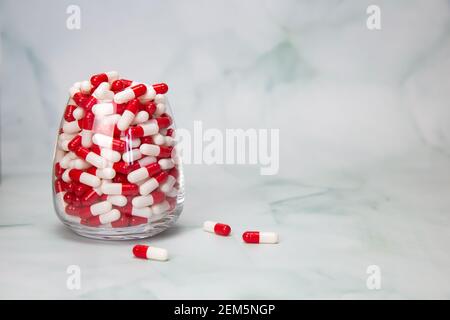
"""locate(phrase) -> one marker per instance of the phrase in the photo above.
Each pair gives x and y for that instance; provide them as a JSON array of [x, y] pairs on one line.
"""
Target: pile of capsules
[[221, 229], [115, 162]]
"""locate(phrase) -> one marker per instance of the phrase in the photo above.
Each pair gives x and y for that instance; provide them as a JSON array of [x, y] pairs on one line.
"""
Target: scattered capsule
[[260, 237], [218, 228], [150, 253]]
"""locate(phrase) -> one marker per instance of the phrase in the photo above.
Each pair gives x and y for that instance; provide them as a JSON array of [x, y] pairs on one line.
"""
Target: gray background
[[364, 125]]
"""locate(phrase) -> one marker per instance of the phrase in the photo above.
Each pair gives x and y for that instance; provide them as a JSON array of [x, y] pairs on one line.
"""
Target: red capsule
[[160, 88], [135, 221], [68, 113], [58, 170], [217, 228], [123, 221], [74, 144], [60, 186]]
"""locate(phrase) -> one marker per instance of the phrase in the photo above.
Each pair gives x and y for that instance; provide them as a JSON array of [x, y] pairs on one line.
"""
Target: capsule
[[82, 177], [128, 115], [167, 186], [104, 77], [91, 157], [260, 237], [144, 201], [106, 153], [105, 173], [68, 113], [131, 93], [103, 109], [90, 211], [220, 229], [141, 117], [156, 150], [140, 163], [132, 155], [150, 253], [73, 126], [152, 183], [102, 219], [125, 189], [109, 142]]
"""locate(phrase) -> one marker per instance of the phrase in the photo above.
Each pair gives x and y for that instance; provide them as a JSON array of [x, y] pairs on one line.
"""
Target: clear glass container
[[116, 172]]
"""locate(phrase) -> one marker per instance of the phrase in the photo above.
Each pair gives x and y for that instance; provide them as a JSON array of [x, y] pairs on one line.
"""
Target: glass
[[117, 184]]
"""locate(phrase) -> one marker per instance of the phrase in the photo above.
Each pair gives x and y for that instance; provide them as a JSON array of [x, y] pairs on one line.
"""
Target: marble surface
[[364, 155]]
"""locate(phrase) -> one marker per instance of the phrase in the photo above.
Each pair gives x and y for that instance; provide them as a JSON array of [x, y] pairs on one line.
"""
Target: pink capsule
[[217, 228]]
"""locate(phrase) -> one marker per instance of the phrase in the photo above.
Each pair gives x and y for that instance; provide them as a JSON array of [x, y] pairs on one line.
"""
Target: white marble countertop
[[394, 215]]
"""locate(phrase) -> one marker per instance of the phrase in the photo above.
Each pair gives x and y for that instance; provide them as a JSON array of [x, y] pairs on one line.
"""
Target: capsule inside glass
[[117, 184]]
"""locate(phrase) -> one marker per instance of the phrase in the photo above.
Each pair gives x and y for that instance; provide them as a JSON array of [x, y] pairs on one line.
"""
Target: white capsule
[[125, 120], [110, 216], [145, 212], [112, 76], [78, 113], [71, 127], [142, 201], [80, 164], [148, 186], [117, 200], [90, 180], [96, 160], [103, 109], [149, 149], [74, 89], [106, 173], [86, 138], [102, 140], [111, 188], [160, 98], [140, 117], [172, 193], [150, 127], [159, 139], [166, 164], [137, 175], [160, 208], [65, 161], [160, 109], [86, 87], [146, 161], [103, 93], [132, 155], [100, 208], [167, 185]]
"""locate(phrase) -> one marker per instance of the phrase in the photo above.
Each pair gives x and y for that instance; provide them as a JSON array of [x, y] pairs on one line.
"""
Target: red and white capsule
[[109, 142], [156, 150], [130, 93], [82, 177], [105, 173], [218, 228], [144, 201], [102, 219], [149, 170], [152, 183], [128, 115], [260, 237], [91, 157], [150, 253], [167, 186], [150, 127], [125, 189], [104, 77]]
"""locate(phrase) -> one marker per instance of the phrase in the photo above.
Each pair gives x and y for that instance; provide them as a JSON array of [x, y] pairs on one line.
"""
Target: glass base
[[128, 233]]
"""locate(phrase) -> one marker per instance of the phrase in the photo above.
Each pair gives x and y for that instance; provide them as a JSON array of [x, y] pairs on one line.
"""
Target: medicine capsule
[[91, 157], [68, 113], [144, 201], [170, 182], [151, 253], [109, 142], [136, 221], [141, 117], [140, 163], [104, 77], [130, 93], [217, 228], [105, 218], [125, 189], [82, 177], [152, 183], [155, 150], [106, 173], [128, 115], [132, 155], [260, 237]]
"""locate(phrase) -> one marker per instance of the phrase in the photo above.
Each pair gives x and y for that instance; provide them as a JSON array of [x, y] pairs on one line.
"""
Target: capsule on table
[[220, 229], [260, 237], [150, 253]]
